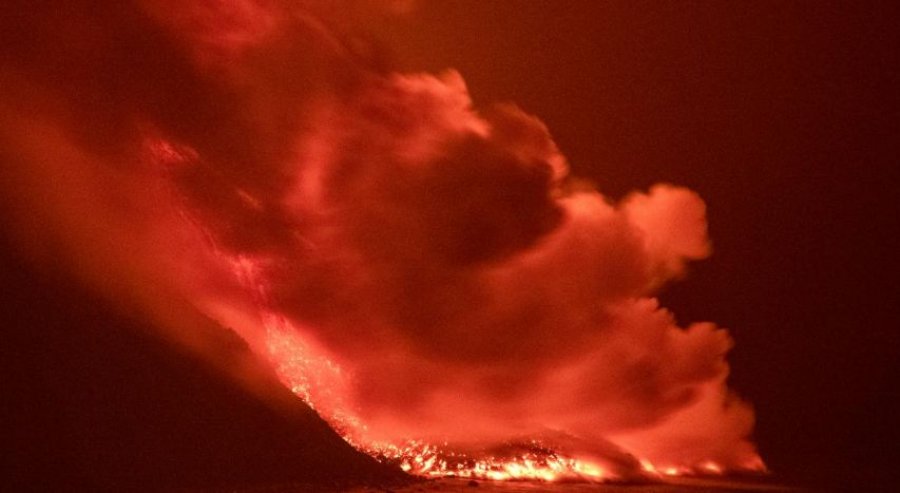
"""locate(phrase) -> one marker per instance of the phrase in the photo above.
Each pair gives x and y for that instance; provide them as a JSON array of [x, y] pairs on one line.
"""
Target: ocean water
[[680, 485]]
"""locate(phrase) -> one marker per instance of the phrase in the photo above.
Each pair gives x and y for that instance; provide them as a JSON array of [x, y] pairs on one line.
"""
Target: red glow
[[323, 385], [424, 274]]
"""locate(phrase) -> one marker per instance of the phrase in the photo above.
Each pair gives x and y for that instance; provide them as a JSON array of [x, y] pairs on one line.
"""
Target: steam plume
[[414, 266]]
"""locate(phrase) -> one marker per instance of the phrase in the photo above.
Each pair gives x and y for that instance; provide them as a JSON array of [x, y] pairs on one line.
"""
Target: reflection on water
[[676, 485]]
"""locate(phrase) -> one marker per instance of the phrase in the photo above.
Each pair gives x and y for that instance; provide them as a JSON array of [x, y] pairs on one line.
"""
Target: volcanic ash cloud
[[441, 274]]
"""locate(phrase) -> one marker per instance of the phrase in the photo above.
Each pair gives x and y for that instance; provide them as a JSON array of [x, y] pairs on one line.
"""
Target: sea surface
[[679, 485]]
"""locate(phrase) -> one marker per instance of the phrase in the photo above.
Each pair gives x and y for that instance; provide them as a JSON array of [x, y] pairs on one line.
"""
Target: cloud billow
[[440, 256]]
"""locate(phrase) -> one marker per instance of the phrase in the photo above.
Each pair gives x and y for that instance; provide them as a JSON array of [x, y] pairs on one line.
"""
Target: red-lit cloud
[[445, 275]]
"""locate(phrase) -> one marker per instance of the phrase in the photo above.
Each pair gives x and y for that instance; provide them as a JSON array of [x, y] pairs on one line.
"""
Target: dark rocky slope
[[92, 400]]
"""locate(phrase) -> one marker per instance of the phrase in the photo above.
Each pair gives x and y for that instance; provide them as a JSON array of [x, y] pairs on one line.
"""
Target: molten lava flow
[[323, 385], [539, 463], [312, 378]]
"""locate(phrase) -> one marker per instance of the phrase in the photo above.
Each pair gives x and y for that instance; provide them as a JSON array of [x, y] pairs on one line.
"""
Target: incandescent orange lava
[[307, 375], [322, 384]]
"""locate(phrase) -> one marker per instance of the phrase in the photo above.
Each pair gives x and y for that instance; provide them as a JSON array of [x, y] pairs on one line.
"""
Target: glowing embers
[[317, 380], [313, 376], [321, 384], [530, 461], [707, 468]]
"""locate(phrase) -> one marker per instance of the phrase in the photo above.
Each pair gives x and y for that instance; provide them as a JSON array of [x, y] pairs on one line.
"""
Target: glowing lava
[[539, 463], [315, 379]]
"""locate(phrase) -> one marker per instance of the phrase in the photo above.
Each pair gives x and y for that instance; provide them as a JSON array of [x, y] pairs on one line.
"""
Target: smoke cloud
[[412, 265]]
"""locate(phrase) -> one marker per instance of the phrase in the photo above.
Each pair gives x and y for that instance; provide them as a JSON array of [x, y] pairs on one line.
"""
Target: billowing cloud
[[444, 275]]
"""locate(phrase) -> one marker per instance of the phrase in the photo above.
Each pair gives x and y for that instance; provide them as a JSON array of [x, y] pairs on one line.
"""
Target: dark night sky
[[784, 117]]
